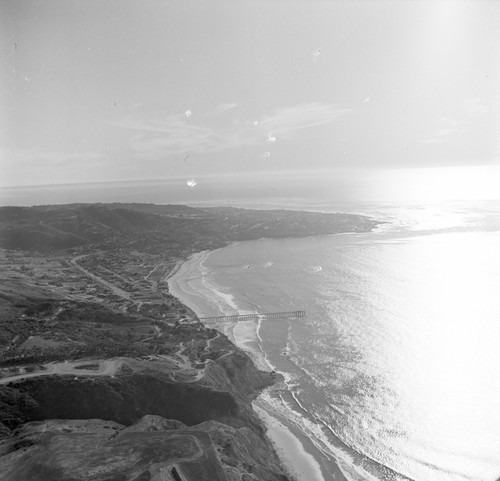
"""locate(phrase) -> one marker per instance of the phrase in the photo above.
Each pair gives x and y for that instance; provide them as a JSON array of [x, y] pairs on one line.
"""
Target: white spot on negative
[[266, 154], [191, 183], [271, 139], [188, 113], [366, 100], [316, 54]]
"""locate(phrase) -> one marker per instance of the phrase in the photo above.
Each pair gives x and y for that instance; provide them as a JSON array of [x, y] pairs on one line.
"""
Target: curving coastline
[[106, 298], [194, 287]]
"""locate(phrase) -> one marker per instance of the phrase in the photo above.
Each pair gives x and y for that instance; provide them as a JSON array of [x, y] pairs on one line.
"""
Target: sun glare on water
[[452, 312], [435, 184]]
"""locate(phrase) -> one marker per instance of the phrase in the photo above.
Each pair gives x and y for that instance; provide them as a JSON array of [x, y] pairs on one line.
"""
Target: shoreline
[[300, 457]]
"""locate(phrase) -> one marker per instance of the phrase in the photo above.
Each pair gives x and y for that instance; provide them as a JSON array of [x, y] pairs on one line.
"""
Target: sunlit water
[[398, 357]]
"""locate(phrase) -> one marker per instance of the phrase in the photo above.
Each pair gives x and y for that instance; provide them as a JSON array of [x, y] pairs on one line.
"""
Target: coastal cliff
[[104, 375], [94, 413], [78, 378]]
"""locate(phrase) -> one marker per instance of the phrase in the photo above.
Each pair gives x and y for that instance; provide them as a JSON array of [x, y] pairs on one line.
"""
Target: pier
[[248, 317]]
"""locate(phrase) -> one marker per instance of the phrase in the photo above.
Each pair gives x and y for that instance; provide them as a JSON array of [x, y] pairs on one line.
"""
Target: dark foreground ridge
[[104, 375]]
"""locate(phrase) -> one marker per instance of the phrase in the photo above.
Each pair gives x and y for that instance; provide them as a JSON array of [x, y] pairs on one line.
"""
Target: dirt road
[[106, 367]]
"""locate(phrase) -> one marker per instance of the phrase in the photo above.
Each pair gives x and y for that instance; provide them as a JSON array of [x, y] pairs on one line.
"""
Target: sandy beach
[[192, 285]]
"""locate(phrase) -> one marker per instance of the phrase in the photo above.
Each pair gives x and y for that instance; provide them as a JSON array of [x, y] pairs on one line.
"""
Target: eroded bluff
[[147, 422]]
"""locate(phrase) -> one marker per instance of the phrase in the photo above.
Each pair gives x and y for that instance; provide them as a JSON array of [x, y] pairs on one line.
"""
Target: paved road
[[116, 290]]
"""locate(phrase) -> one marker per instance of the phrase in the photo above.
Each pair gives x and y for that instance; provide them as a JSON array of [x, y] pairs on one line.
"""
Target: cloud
[[32, 166], [49, 158], [176, 134], [474, 108], [447, 131], [469, 111], [302, 116], [222, 108]]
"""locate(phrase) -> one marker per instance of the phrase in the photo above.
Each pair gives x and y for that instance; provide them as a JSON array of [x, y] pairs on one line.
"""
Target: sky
[[113, 90]]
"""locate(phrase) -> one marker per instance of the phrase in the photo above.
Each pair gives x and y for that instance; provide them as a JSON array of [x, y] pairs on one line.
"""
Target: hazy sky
[[96, 90]]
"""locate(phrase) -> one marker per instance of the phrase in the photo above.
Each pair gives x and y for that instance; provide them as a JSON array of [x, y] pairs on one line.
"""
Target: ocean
[[394, 372]]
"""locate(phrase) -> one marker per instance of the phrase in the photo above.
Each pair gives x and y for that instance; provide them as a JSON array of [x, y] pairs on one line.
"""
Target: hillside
[[167, 227]]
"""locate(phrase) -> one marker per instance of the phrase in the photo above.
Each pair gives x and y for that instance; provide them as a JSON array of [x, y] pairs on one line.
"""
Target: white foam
[[193, 280], [315, 430], [300, 463]]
